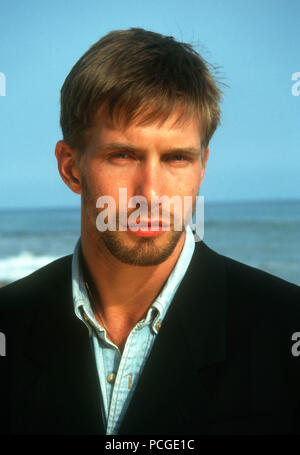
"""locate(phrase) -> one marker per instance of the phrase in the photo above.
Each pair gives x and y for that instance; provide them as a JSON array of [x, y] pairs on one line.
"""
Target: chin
[[143, 251]]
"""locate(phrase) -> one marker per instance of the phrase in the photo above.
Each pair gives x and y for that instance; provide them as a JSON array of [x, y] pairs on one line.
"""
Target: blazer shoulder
[[254, 296], [41, 282], [251, 279]]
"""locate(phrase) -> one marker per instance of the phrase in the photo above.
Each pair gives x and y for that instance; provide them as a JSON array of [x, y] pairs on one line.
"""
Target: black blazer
[[221, 363]]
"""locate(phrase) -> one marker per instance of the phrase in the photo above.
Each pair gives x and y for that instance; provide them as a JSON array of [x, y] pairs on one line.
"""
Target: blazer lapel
[[172, 389], [60, 387]]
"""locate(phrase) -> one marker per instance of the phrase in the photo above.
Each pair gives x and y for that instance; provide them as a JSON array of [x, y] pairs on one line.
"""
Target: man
[[143, 330]]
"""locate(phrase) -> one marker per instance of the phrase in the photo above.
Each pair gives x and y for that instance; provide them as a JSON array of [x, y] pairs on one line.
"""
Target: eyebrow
[[131, 149]]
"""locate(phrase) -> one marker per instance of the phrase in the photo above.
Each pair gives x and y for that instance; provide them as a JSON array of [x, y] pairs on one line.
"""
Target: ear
[[203, 167], [68, 166]]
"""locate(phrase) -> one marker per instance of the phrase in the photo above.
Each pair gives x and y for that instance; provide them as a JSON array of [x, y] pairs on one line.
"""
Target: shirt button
[[85, 317], [111, 377], [158, 325]]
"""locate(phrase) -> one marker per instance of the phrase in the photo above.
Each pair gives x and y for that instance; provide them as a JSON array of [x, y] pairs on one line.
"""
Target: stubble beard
[[146, 251]]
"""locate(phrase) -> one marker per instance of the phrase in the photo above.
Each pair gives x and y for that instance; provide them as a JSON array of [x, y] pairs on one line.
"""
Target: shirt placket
[[129, 367]]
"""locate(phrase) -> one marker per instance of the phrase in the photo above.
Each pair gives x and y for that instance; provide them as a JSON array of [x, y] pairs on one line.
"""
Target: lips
[[148, 225], [147, 229]]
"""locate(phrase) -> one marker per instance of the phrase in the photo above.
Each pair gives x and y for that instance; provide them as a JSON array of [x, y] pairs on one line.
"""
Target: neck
[[121, 290]]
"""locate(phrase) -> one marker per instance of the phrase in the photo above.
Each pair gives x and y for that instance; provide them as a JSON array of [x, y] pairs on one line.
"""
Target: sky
[[255, 152]]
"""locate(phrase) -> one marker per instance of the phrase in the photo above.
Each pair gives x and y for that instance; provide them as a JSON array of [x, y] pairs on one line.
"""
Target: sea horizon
[[261, 233]]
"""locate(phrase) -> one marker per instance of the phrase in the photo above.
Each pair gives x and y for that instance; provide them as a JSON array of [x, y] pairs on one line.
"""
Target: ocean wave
[[15, 267]]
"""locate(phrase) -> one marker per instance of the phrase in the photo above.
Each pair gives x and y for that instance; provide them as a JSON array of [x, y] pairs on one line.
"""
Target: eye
[[177, 159], [121, 155]]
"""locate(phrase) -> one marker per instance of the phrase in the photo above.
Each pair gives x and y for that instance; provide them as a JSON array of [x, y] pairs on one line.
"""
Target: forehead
[[175, 128]]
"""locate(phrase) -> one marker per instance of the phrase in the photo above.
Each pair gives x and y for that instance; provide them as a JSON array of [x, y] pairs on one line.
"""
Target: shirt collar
[[158, 308]]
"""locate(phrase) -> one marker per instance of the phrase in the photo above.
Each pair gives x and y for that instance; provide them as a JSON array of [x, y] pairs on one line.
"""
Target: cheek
[[197, 179], [99, 182], [187, 185], [108, 179]]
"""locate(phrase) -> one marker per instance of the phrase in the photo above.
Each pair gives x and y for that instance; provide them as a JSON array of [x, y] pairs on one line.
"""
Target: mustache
[[145, 217], [160, 213], [160, 210]]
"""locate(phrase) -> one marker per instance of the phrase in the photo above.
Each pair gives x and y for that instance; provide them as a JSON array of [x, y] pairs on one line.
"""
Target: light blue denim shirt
[[119, 373]]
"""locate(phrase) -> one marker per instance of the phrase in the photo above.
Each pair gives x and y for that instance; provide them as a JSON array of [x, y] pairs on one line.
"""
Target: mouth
[[148, 229]]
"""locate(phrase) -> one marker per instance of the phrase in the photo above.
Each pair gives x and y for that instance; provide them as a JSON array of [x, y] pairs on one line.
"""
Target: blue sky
[[255, 153]]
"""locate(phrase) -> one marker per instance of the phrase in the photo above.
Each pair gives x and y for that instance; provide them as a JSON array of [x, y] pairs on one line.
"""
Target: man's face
[[154, 160]]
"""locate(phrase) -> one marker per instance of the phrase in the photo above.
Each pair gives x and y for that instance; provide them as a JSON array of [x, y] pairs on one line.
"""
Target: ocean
[[262, 234]]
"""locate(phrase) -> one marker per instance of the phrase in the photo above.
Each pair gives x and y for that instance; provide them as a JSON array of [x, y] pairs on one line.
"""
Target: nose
[[149, 179]]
